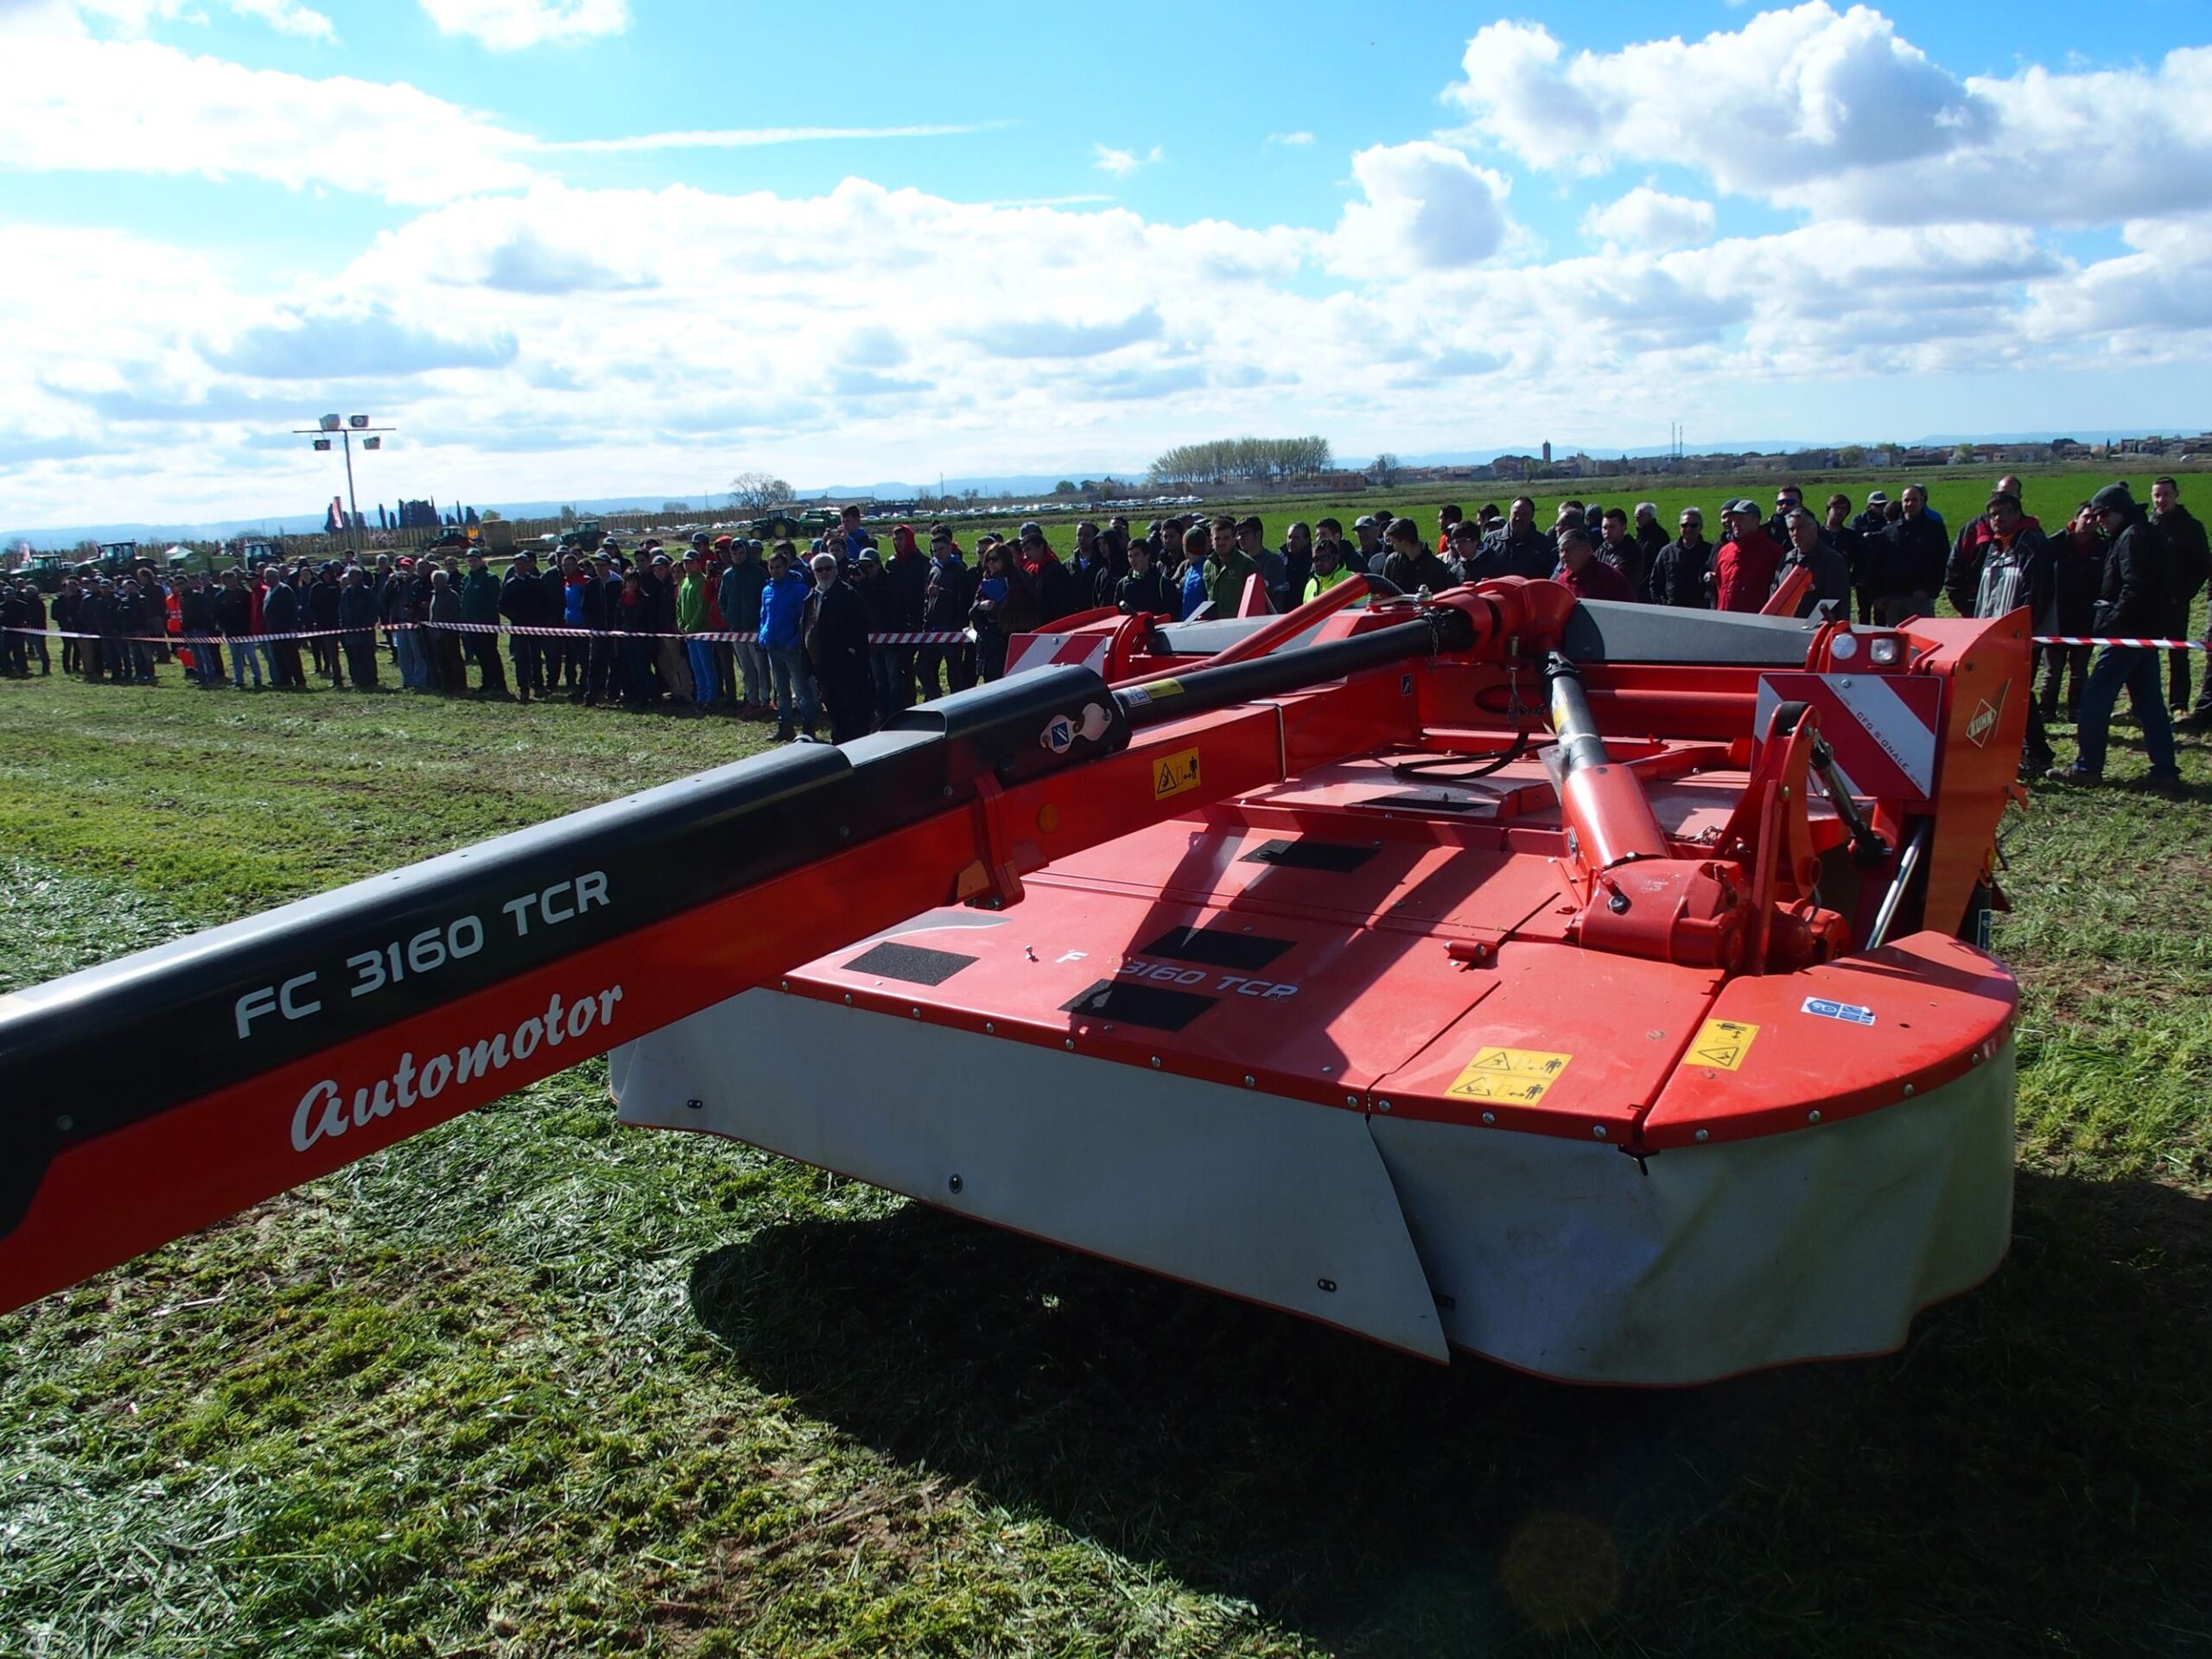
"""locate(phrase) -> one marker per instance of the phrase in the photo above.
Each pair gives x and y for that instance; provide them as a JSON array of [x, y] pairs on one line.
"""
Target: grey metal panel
[[1564, 1258], [1610, 631], [1280, 1201]]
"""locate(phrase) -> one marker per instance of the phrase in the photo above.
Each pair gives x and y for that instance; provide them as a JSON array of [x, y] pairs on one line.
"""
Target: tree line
[[1221, 460]]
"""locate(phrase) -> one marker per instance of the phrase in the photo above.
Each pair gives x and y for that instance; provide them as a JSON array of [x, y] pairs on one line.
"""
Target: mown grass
[[527, 1384]]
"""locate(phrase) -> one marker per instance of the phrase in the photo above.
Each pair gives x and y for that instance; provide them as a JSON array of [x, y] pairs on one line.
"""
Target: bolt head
[[1704, 1134], [1908, 1091], [1249, 1082], [1812, 1117], [1598, 1130], [1490, 1117]]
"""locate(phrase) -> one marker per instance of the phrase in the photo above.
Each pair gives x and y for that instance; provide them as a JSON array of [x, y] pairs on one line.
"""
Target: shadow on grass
[[2031, 1473]]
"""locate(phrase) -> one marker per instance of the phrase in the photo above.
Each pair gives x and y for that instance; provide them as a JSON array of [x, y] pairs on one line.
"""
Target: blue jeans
[[242, 657], [794, 689], [409, 643], [702, 653], [2137, 669]]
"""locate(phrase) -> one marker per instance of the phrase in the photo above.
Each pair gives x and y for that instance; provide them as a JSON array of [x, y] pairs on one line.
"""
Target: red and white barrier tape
[[2140, 645]]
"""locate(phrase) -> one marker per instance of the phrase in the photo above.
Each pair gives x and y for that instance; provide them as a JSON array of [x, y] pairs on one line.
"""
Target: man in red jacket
[[1743, 570], [1586, 575]]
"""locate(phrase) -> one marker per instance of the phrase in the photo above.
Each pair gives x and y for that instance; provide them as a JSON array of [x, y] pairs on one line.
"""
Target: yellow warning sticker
[[1152, 691], [1172, 774], [1722, 1044], [1516, 1075]]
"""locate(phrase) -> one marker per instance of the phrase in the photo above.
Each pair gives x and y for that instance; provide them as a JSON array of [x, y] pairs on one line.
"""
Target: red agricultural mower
[[1593, 987]]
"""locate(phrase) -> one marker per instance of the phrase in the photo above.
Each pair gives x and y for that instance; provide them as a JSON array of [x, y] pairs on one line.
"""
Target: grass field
[[526, 1384]]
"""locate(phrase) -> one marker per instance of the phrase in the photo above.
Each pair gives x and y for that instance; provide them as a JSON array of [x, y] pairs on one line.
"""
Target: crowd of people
[[649, 627]]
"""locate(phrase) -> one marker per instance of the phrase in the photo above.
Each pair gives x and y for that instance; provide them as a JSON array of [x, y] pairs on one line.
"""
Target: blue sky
[[590, 246]]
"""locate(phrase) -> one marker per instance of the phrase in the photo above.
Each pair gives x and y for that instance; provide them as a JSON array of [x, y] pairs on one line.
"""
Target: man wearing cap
[[945, 605], [1962, 570], [1904, 563], [739, 598], [1519, 548], [783, 615], [1876, 518], [1678, 572], [2133, 602], [1743, 570], [658, 584], [479, 608], [1370, 552]]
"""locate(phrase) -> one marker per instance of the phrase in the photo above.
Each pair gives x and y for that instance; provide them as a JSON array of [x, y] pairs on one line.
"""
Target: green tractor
[[584, 538]]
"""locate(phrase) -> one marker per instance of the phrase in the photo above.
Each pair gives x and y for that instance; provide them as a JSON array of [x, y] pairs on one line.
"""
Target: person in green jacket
[[692, 619], [1228, 568], [479, 602]]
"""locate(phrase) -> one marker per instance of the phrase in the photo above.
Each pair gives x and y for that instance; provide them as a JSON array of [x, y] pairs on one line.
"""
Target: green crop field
[[528, 1384], [2050, 494]]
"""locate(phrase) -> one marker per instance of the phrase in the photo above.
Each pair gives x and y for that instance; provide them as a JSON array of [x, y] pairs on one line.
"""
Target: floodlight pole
[[345, 431]]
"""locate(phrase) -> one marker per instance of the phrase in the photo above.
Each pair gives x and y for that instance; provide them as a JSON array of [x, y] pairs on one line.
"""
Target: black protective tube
[[1199, 689]]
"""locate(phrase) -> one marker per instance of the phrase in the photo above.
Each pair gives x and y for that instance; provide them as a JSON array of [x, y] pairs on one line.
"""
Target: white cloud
[[1791, 96], [867, 331], [1838, 114], [135, 17], [1645, 218], [81, 104], [511, 25], [1123, 162], [1289, 140], [1427, 208]]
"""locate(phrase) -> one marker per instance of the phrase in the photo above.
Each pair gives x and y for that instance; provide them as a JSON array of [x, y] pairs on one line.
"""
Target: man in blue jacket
[[783, 611]]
